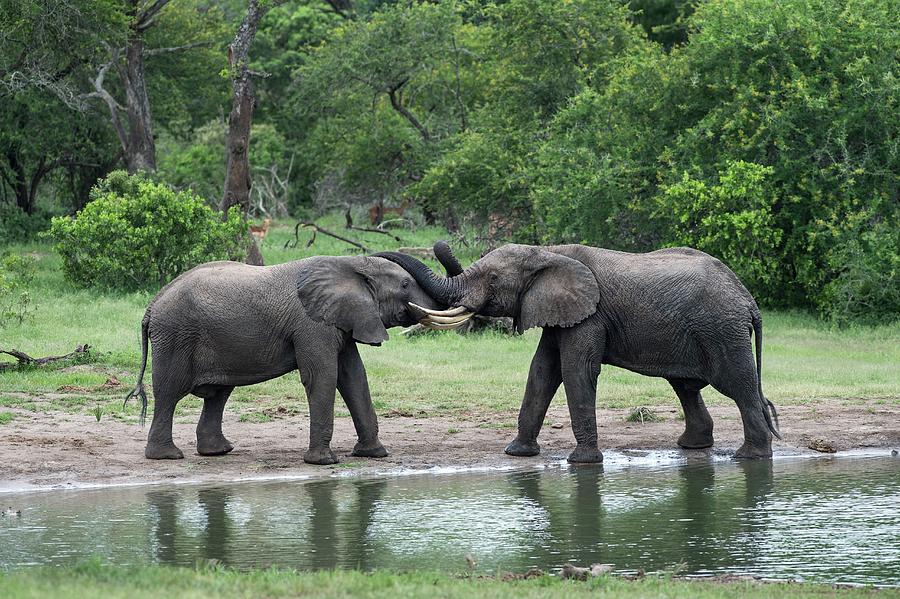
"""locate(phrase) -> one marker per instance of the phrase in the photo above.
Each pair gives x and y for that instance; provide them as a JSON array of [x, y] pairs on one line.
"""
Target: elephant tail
[[769, 410], [138, 390]]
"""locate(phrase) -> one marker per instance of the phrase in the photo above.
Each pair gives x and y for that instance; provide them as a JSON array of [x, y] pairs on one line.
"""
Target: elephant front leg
[[354, 387], [544, 378], [580, 369], [320, 381]]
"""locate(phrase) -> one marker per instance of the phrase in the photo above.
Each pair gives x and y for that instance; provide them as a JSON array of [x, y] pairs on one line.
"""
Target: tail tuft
[[138, 391]]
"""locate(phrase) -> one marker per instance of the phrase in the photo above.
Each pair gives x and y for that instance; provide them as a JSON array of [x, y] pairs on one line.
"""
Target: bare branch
[[146, 17], [317, 229], [114, 107], [398, 106], [171, 49]]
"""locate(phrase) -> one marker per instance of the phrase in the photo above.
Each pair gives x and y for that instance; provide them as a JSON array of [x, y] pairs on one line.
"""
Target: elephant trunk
[[444, 255], [444, 291]]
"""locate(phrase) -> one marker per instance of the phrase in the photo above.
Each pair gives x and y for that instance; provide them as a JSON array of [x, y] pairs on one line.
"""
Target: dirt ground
[[40, 451]]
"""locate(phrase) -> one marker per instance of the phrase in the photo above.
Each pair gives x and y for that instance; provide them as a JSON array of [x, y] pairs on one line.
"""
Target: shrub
[[16, 273], [865, 256], [137, 234], [730, 219]]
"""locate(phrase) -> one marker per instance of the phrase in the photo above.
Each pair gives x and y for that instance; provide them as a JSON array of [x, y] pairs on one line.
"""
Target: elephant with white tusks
[[677, 313], [226, 324]]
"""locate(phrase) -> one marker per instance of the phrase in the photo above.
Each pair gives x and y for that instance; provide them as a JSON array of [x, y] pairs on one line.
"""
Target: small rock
[[821, 446], [470, 561], [533, 572], [557, 425], [601, 569], [569, 571], [895, 453]]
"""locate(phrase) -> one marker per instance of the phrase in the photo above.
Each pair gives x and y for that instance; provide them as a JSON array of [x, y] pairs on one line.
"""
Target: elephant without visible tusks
[[226, 324], [677, 313]]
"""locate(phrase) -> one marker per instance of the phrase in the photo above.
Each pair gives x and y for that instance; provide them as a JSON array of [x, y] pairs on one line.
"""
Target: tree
[[135, 130], [237, 169]]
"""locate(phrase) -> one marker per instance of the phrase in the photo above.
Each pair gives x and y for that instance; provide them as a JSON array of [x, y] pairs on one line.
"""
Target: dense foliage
[[764, 133], [137, 234]]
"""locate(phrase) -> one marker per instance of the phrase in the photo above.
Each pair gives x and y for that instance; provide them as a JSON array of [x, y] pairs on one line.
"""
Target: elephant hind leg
[[738, 381], [160, 445], [210, 440], [698, 424]]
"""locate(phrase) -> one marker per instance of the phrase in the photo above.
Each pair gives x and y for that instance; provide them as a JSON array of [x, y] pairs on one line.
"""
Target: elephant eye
[[405, 283]]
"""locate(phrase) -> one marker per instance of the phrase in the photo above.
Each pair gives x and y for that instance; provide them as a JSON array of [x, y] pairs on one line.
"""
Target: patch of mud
[[56, 450]]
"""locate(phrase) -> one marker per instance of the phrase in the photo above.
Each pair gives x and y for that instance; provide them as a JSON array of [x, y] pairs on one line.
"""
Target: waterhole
[[828, 520]]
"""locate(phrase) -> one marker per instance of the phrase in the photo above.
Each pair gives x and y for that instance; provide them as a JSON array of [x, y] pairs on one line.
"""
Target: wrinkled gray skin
[[227, 324], [676, 313]]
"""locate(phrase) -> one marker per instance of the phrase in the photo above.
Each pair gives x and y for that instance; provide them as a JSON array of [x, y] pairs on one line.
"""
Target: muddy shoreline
[[55, 451]]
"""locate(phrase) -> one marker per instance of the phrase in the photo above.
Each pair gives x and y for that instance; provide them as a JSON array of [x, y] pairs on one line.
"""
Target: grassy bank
[[804, 359], [93, 580]]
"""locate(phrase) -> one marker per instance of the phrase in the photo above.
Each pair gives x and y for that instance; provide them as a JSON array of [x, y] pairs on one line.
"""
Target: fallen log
[[26, 360], [317, 229]]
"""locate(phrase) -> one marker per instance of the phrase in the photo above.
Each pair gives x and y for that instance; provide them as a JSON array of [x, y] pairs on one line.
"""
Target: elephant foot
[[754, 452], [695, 440], [321, 456], [520, 448], [217, 445], [370, 450], [163, 451], [585, 454]]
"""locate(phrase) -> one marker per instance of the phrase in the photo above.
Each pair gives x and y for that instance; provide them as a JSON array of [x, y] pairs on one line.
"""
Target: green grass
[[803, 360], [94, 580]]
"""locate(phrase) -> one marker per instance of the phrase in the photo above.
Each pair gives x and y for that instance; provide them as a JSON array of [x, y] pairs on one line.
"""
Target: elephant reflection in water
[[574, 521], [329, 531], [339, 540], [698, 526], [211, 547]]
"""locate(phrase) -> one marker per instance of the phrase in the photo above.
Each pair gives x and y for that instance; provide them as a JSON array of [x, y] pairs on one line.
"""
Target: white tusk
[[441, 327], [451, 312], [449, 319]]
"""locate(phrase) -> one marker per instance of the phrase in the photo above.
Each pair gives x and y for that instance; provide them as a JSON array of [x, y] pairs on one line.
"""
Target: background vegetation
[[766, 133]]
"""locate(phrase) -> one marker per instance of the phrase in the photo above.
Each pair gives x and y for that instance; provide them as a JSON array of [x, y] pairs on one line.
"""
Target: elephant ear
[[335, 291], [561, 293]]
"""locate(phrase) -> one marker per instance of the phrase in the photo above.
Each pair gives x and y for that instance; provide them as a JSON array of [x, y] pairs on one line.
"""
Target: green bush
[[138, 234], [16, 273], [865, 255], [731, 219], [804, 94]]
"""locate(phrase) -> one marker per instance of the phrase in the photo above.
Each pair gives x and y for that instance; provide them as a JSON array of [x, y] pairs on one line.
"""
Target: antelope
[[378, 211], [259, 231]]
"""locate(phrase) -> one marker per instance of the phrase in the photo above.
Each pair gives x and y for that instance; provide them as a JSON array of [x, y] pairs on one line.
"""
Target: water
[[827, 520]]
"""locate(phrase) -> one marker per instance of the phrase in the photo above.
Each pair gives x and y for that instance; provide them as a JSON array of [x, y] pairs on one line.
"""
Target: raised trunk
[[140, 149]]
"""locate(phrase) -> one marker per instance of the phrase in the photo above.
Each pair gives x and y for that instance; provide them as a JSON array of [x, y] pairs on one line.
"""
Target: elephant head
[[535, 286], [361, 295]]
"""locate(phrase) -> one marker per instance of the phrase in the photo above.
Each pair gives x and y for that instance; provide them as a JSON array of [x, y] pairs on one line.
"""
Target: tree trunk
[[237, 168], [25, 187], [140, 150]]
